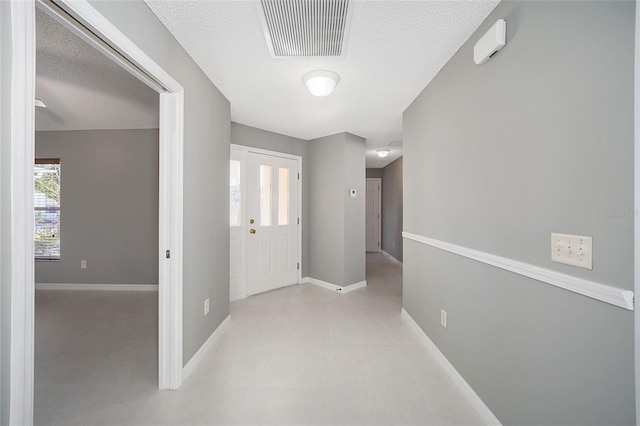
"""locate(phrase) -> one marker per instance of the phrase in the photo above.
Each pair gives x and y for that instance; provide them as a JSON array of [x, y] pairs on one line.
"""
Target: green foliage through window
[[47, 209]]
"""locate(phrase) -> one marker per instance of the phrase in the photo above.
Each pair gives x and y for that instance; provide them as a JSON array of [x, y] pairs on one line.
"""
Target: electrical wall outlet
[[574, 250], [83, 264], [206, 306], [443, 318]]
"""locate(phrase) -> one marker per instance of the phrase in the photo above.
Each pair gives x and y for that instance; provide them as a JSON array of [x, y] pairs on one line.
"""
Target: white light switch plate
[[574, 250]]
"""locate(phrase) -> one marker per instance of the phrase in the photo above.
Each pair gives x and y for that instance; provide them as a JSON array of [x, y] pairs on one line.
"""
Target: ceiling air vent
[[304, 28]]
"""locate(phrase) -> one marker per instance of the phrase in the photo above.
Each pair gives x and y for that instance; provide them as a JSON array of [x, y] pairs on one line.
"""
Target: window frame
[[58, 209]]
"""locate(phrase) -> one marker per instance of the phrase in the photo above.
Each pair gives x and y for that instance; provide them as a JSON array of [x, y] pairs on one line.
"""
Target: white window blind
[[47, 208]]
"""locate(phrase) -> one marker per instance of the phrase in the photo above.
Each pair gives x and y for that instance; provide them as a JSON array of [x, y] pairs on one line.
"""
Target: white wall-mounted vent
[[305, 28], [491, 42]]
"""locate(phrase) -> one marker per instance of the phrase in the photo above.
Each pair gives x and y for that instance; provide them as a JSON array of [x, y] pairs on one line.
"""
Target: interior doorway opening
[[91, 26], [374, 215]]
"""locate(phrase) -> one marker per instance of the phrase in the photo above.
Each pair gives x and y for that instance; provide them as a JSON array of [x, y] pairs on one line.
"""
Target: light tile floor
[[301, 355]]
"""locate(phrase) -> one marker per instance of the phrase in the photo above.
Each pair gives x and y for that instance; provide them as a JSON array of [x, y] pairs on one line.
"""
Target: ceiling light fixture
[[39, 103], [321, 83], [382, 153]]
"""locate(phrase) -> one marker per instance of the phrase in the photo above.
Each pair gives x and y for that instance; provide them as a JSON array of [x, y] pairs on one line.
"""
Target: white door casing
[[75, 15], [237, 288], [272, 220], [170, 229], [373, 214]]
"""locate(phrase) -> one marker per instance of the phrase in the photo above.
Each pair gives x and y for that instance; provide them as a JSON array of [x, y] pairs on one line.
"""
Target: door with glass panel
[[272, 222]]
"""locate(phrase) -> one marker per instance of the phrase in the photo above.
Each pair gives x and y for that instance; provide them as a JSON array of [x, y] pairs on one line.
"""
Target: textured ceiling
[[83, 89], [394, 48]]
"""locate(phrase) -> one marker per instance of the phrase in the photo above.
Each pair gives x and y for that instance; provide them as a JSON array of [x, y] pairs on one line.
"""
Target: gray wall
[[392, 209], [374, 173], [326, 209], [336, 230], [109, 206], [354, 210], [263, 139], [206, 170], [537, 140]]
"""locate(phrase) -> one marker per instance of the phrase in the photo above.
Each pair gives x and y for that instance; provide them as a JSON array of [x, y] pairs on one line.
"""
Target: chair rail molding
[[604, 293]]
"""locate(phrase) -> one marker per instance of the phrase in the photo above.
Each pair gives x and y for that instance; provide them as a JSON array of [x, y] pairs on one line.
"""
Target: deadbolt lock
[[251, 221]]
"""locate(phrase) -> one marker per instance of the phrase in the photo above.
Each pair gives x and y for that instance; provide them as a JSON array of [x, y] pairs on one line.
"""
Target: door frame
[[379, 180], [170, 230], [238, 154], [246, 149]]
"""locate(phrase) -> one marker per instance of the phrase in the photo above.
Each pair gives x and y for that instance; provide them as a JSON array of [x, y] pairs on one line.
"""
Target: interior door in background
[[272, 222], [373, 220]]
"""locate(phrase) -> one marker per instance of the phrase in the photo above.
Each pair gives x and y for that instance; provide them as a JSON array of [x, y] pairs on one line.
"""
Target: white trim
[[206, 347], [90, 38], [170, 225], [355, 286], [87, 15], [170, 221], [245, 149], [333, 287], [22, 153], [379, 221], [320, 283], [239, 155], [473, 398], [391, 258], [605, 293], [22, 295], [96, 287]]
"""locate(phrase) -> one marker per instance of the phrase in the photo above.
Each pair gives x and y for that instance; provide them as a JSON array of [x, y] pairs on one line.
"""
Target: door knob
[[252, 231]]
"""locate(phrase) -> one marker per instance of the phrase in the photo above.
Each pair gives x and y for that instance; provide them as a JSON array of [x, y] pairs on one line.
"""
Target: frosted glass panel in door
[[283, 196], [265, 195], [235, 195]]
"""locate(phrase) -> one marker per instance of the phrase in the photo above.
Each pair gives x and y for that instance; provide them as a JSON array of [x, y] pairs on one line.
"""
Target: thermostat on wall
[[352, 193]]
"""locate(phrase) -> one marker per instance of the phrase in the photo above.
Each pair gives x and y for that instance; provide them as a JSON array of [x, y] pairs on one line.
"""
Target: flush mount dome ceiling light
[[382, 153], [321, 83]]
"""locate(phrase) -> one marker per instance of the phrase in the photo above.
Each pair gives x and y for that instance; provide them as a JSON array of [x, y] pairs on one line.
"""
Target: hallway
[[298, 355]]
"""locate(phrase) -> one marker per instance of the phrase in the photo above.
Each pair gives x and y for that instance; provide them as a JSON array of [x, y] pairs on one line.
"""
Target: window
[[265, 195], [283, 196], [47, 208], [235, 214]]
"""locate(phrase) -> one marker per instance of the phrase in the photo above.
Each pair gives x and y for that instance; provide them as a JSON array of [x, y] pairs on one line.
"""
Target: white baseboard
[[206, 347], [473, 398], [354, 286], [333, 287], [391, 258], [99, 287]]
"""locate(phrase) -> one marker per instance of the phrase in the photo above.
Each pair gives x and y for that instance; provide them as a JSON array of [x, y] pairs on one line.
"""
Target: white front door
[[272, 222], [373, 214]]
